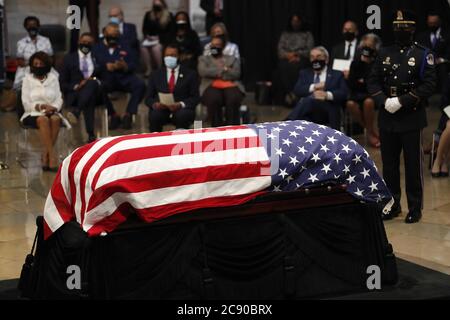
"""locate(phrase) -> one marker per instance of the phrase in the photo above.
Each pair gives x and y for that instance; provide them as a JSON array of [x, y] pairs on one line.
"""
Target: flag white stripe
[[79, 169], [51, 214], [171, 195], [180, 162]]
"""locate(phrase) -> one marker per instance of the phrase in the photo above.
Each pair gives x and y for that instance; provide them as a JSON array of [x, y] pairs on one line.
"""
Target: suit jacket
[[129, 37], [335, 83], [208, 70], [186, 88], [122, 51], [338, 52], [442, 48], [71, 75]]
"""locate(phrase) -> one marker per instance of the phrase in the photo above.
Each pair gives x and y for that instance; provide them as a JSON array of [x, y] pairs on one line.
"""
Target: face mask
[[182, 25], [433, 29], [85, 48], [349, 36], [171, 62], [216, 51], [318, 65], [114, 20], [112, 40], [157, 8], [403, 37], [368, 52], [33, 31], [39, 71]]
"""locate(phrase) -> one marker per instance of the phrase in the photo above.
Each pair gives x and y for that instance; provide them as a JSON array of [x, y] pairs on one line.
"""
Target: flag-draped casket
[[157, 175]]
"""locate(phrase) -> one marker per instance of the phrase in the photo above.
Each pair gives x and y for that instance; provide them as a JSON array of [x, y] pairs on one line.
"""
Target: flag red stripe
[[182, 177]]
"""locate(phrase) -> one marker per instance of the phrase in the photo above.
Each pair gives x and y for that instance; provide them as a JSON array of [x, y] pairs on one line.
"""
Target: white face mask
[[171, 62]]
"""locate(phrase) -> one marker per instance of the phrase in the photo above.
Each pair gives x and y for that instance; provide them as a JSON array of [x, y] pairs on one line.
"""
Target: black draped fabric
[[256, 25], [300, 253]]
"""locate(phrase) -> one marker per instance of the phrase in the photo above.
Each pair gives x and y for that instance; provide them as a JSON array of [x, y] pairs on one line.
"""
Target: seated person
[[322, 91], [42, 102], [293, 55], [220, 30], [179, 80], [156, 28], [360, 105], [128, 34], [221, 73], [81, 88], [118, 63], [440, 165], [27, 46], [187, 40]]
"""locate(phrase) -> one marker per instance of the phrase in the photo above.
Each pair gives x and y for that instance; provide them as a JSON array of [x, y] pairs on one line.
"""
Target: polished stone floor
[[23, 188]]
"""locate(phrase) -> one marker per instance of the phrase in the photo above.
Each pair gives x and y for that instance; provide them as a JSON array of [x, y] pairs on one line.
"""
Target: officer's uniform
[[407, 73]]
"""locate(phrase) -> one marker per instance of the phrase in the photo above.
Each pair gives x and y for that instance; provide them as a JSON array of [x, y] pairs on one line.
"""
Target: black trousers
[[392, 144], [321, 112], [182, 119], [85, 100], [215, 99]]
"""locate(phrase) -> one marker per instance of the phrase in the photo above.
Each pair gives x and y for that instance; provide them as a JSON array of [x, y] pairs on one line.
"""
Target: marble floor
[[24, 187]]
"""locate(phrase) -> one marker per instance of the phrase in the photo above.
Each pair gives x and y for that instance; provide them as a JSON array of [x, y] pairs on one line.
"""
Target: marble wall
[[54, 12]]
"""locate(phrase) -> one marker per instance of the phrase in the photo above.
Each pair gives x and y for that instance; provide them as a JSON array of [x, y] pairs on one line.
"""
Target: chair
[[57, 35], [434, 147]]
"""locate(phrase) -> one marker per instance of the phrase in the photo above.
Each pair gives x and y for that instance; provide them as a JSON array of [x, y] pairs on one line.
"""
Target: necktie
[[317, 78], [85, 67], [433, 40], [347, 55], [172, 81]]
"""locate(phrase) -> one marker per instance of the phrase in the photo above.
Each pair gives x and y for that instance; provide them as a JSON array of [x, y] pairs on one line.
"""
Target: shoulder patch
[[430, 59]]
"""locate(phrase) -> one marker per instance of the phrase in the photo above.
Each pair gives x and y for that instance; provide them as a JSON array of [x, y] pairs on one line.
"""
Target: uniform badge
[[430, 59], [412, 62], [387, 60]]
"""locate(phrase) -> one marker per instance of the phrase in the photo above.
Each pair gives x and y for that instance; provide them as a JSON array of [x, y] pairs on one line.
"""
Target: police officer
[[402, 79]]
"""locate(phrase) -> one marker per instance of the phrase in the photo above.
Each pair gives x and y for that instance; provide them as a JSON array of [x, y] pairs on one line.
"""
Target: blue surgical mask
[[171, 62], [114, 20]]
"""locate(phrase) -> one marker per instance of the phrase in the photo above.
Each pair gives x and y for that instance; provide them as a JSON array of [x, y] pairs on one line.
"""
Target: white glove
[[392, 105]]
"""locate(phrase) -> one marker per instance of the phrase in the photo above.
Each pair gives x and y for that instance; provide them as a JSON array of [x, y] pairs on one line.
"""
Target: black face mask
[[368, 52], [403, 38], [40, 71], [85, 48], [349, 36], [112, 40], [33, 31], [318, 65], [157, 8], [216, 51], [433, 29]]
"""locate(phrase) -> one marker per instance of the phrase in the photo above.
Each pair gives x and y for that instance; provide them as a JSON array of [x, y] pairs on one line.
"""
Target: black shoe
[[126, 121], [394, 213], [115, 122], [443, 174], [413, 217], [436, 175]]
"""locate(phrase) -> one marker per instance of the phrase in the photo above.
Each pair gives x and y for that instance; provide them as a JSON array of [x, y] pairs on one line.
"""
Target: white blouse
[[36, 92]]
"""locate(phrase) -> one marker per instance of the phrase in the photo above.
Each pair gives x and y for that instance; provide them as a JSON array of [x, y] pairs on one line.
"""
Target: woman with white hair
[[360, 105]]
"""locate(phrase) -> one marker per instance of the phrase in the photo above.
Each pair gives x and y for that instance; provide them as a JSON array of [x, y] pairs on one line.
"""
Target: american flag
[[157, 175]]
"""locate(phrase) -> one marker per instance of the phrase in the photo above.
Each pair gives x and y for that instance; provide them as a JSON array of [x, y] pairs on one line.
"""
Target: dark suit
[[186, 90], [211, 18], [129, 37], [441, 49], [120, 80], [308, 108], [86, 98], [338, 52]]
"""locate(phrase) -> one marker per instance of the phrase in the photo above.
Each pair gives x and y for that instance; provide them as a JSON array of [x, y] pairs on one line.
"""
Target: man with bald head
[[118, 64], [346, 49], [128, 34]]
